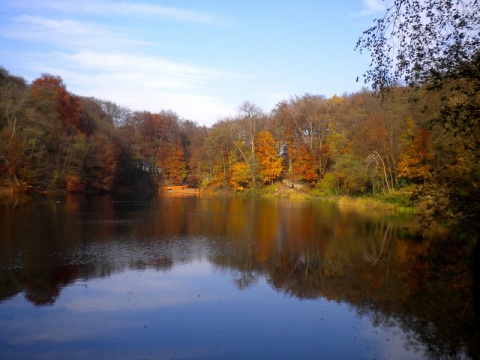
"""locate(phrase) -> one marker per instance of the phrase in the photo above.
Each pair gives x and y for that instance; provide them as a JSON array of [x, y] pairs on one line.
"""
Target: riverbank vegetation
[[356, 144]]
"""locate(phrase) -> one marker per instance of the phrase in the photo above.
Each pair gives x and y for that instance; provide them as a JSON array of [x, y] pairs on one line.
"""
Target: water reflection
[[60, 252]]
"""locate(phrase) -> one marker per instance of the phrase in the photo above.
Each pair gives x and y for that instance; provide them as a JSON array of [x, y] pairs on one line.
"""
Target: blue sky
[[199, 58]]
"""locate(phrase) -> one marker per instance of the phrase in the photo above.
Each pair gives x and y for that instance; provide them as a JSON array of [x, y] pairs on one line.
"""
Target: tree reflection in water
[[306, 250]]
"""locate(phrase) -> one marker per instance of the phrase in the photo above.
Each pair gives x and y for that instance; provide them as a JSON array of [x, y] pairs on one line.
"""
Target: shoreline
[[398, 202]]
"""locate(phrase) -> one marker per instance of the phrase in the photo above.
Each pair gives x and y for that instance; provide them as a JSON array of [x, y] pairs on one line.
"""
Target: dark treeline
[[53, 140]]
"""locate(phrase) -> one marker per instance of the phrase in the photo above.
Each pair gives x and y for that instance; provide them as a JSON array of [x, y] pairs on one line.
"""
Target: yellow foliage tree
[[240, 176], [267, 157]]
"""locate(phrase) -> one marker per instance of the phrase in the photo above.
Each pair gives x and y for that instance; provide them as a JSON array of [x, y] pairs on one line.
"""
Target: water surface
[[198, 277]]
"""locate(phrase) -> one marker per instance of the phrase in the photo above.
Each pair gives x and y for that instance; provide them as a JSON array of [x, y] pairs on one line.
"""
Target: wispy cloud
[[149, 80], [372, 7], [130, 9], [144, 83], [103, 61], [154, 70], [68, 33], [100, 49]]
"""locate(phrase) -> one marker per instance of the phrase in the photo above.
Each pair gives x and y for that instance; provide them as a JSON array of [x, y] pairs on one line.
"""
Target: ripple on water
[[158, 253]]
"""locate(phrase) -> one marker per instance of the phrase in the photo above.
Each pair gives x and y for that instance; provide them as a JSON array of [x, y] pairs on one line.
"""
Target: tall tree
[[13, 93], [173, 166], [243, 132], [304, 165], [416, 159], [422, 42], [218, 151], [436, 45], [101, 163], [67, 105], [193, 140]]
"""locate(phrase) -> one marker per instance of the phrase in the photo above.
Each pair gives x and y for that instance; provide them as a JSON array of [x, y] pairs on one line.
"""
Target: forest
[[52, 140]]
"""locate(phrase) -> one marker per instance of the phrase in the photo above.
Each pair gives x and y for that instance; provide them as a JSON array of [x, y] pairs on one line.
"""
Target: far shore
[[394, 202]]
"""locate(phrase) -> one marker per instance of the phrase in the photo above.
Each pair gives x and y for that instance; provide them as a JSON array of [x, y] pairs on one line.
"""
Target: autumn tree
[[335, 145], [304, 165], [51, 139], [13, 93], [436, 45], [369, 142], [416, 159], [118, 115], [267, 157], [304, 123], [101, 163], [240, 178], [193, 139], [54, 123], [218, 152], [173, 166], [243, 131], [154, 134], [67, 105]]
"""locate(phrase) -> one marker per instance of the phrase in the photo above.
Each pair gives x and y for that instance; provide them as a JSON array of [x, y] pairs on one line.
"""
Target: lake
[[196, 277]]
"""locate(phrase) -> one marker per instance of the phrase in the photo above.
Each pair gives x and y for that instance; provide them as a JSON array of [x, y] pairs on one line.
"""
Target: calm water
[[194, 277]]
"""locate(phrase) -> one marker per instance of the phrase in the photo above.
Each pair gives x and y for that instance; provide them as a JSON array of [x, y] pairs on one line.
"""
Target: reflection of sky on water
[[143, 290], [190, 311]]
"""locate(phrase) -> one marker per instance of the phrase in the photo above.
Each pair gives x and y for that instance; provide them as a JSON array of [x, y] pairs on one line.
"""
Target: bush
[[326, 186], [395, 198]]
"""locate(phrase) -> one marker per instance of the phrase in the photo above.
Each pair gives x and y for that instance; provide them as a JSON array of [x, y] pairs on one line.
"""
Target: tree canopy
[[434, 46], [422, 42]]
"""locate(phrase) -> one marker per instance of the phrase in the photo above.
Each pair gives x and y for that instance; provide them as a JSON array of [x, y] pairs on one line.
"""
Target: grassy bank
[[396, 201], [392, 202]]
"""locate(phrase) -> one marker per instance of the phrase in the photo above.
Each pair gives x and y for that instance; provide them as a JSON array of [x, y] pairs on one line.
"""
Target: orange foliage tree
[[267, 157], [415, 161], [173, 166], [304, 165]]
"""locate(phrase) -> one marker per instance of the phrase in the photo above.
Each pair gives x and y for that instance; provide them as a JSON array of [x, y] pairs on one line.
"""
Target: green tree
[[351, 172]]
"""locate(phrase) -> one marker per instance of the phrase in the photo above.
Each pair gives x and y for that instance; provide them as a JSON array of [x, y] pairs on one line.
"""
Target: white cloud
[[123, 8], [148, 83], [372, 7], [157, 72], [68, 34], [102, 61], [157, 11]]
